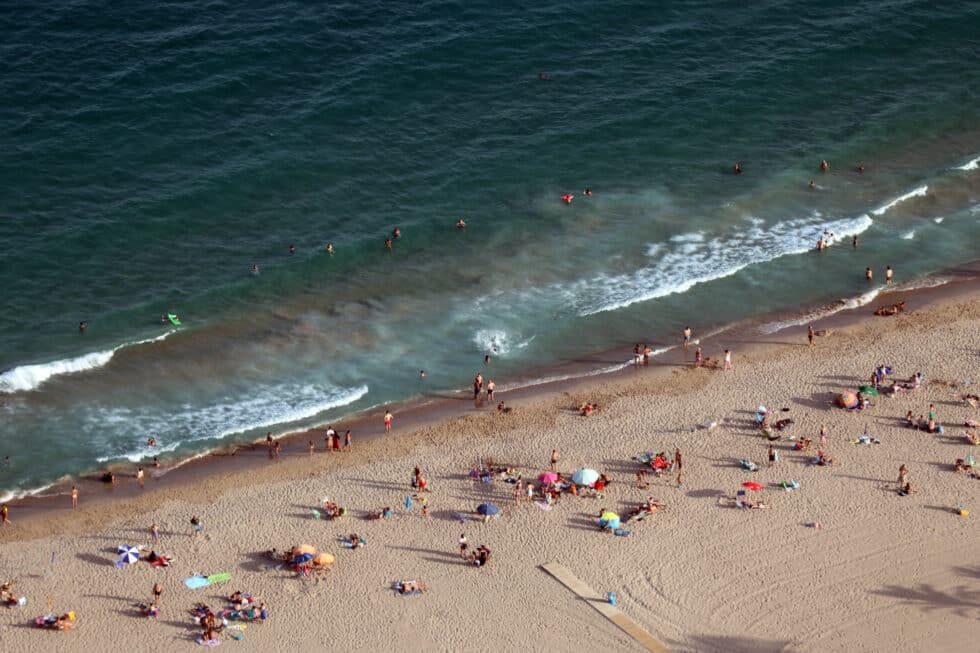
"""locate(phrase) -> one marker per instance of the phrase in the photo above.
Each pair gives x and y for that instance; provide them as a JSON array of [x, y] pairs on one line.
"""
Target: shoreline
[[441, 410]]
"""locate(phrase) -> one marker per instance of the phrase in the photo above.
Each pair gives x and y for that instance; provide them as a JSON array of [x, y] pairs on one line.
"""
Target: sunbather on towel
[[410, 587], [750, 505]]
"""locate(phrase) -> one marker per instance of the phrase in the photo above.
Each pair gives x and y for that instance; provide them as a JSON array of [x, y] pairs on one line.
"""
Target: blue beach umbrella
[[302, 558], [585, 477], [487, 509], [127, 555]]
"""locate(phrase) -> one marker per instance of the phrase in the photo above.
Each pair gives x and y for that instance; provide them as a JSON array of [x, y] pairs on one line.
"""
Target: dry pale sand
[[884, 573]]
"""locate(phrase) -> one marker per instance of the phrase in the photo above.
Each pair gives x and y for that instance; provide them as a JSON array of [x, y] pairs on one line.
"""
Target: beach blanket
[[210, 642], [622, 533], [219, 578], [544, 505], [195, 582]]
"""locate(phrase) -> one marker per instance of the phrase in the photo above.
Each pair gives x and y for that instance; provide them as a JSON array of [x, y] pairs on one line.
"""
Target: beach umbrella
[[548, 477], [487, 509], [408, 502], [608, 515], [847, 399], [302, 558], [302, 549], [752, 485], [585, 477], [127, 555], [868, 390], [324, 559]]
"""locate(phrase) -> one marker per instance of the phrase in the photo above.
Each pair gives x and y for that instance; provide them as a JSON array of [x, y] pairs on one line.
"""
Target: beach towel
[[622, 533], [210, 642], [219, 578], [544, 505], [790, 485], [195, 582], [748, 465]]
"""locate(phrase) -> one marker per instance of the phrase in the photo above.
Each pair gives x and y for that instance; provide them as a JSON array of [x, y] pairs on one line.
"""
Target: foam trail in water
[[694, 259], [271, 406], [938, 220], [29, 377], [918, 192], [908, 235], [497, 341], [972, 164]]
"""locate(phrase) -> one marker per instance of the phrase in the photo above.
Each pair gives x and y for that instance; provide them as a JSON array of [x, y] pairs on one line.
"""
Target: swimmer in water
[[255, 268], [329, 248], [812, 185], [460, 224], [861, 168], [151, 442], [388, 244], [292, 249], [824, 166], [567, 198], [421, 375], [738, 168], [81, 327], [396, 233], [486, 359], [587, 192], [542, 77]]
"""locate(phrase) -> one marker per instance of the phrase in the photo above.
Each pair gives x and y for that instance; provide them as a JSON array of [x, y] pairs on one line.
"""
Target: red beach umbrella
[[752, 485]]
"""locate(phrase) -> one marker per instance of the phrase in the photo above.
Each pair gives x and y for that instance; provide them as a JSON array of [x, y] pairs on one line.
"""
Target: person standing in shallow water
[[388, 418]]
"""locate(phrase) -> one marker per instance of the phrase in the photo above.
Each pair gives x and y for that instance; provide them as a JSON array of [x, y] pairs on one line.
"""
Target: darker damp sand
[[450, 417]]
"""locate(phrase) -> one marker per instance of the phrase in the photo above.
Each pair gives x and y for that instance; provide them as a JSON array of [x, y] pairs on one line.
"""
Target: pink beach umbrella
[[548, 477]]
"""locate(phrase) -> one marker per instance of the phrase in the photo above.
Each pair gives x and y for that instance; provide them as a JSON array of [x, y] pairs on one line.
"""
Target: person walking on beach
[[646, 354], [388, 418], [554, 460], [347, 445], [312, 447], [888, 274], [277, 449], [463, 545], [491, 386], [728, 359], [678, 465], [903, 475], [416, 475], [139, 476], [636, 354], [269, 440], [697, 357], [157, 591], [5, 515], [687, 336], [74, 497], [773, 458], [823, 434], [196, 524], [810, 334], [154, 532]]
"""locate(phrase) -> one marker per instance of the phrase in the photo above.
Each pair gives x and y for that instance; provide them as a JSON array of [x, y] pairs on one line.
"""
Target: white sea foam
[[565, 377], [821, 313], [695, 259], [498, 341], [972, 164], [29, 377], [15, 495], [938, 220], [273, 405], [918, 192], [909, 235]]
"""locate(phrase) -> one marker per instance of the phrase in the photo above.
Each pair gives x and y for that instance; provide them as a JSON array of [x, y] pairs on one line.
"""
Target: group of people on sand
[[240, 607]]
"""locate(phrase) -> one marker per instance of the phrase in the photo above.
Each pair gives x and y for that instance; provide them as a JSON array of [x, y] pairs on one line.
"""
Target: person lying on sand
[[587, 409], [894, 309], [804, 444], [410, 587], [750, 505], [973, 438], [822, 459], [961, 466], [384, 513]]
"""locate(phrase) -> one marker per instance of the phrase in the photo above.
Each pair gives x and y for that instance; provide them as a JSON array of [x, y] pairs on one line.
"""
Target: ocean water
[[153, 152]]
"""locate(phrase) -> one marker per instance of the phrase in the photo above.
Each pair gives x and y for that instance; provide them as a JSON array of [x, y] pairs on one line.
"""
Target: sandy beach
[[882, 572]]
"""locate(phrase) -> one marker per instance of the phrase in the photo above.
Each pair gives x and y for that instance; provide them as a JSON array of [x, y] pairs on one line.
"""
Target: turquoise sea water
[[153, 152]]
